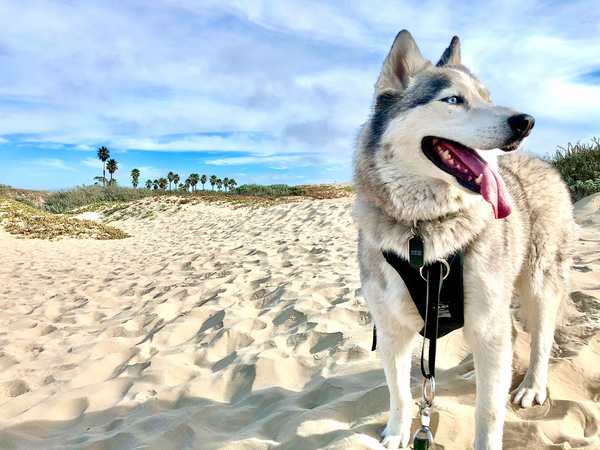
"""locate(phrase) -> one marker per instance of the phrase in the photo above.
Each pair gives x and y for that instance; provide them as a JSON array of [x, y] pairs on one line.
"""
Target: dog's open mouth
[[470, 170]]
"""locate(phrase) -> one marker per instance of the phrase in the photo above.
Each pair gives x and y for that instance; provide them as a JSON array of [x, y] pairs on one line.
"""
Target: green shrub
[[63, 201], [579, 166], [26, 201], [5, 189], [271, 191], [581, 189]]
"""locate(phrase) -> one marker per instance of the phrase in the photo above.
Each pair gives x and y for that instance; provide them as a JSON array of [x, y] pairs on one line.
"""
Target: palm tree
[[203, 181], [182, 187], [103, 155], [213, 181], [148, 184], [232, 184], [219, 184], [162, 183], [98, 179], [171, 177], [112, 167], [176, 179], [225, 182], [155, 184], [135, 174], [188, 183], [112, 182], [194, 179]]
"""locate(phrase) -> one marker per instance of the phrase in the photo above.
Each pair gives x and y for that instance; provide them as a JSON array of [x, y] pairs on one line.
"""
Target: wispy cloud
[[289, 161], [91, 162], [273, 80], [51, 162], [149, 172]]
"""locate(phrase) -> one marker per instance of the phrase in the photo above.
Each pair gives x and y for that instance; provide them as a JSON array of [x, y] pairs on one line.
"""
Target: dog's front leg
[[489, 338], [395, 345]]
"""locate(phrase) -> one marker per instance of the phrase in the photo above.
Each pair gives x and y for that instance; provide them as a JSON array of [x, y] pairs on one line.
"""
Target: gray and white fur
[[527, 254]]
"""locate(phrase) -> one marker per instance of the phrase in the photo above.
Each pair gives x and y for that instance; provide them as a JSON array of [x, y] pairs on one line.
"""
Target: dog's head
[[437, 124]]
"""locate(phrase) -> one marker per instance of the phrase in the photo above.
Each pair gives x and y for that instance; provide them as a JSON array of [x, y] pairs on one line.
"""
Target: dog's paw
[[527, 393], [394, 440]]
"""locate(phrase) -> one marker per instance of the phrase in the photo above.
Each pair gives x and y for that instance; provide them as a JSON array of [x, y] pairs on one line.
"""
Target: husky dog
[[437, 150]]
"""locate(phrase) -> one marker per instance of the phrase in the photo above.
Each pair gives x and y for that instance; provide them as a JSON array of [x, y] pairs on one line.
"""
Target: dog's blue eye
[[453, 100]]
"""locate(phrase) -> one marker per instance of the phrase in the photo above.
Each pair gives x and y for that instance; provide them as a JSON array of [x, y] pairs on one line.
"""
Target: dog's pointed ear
[[451, 56], [403, 61]]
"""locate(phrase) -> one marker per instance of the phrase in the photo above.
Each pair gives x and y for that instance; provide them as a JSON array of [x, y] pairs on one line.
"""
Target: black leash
[[434, 278], [441, 305], [429, 310]]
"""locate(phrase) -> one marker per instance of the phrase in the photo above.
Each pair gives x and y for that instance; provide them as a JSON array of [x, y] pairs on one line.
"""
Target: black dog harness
[[447, 294], [451, 293]]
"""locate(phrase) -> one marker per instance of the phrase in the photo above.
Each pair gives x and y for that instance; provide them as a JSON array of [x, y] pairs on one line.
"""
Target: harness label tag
[[415, 252]]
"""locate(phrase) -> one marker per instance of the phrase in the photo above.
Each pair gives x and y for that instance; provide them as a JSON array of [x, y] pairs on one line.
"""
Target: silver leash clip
[[423, 439]]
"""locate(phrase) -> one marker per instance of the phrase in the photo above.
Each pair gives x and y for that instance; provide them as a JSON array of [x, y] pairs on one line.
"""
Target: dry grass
[[27, 222], [148, 207], [26, 196], [327, 191]]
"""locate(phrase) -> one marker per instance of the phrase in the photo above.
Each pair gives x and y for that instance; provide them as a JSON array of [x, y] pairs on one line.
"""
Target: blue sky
[[261, 91]]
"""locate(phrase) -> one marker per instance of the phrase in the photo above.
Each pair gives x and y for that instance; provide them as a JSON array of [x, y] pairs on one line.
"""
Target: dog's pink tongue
[[493, 189]]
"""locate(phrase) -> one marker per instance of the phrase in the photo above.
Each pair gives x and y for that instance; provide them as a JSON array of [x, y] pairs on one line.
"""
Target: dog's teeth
[[451, 161], [458, 166], [478, 179], [447, 155]]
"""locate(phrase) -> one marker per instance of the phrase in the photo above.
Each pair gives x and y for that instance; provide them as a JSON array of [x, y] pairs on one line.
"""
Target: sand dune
[[221, 328]]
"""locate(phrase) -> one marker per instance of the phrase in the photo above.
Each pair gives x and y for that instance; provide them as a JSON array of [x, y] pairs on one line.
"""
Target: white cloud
[[149, 172], [267, 159], [91, 162], [51, 162], [298, 73], [3, 141]]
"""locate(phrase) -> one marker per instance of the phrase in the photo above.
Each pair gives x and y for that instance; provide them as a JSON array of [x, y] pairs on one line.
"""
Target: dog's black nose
[[521, 124]]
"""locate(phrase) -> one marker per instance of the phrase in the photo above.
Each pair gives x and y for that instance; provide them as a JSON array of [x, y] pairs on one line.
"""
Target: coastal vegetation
[[31, 213], [579, 165], [26, 221]]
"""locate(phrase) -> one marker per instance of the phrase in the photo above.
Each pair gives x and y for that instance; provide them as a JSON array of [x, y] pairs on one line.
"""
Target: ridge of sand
[[214, 328]]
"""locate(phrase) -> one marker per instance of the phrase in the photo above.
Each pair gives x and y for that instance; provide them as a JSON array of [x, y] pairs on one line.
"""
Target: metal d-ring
[[446, 265]]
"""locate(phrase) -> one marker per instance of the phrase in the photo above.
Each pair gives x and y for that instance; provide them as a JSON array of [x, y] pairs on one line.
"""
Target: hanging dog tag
[[415, 251]]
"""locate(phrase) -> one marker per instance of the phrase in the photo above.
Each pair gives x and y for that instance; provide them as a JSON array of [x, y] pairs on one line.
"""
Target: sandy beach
[[221, 328]]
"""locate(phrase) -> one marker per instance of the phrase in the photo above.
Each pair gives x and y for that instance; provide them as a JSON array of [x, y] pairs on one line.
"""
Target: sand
[[221, 328]]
